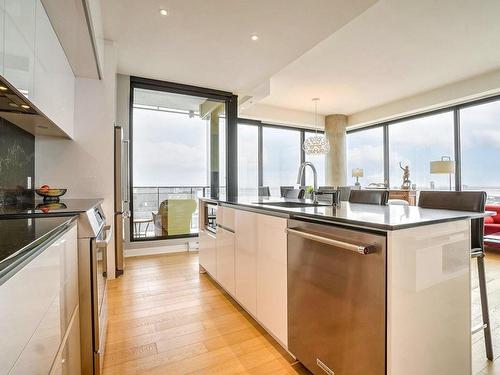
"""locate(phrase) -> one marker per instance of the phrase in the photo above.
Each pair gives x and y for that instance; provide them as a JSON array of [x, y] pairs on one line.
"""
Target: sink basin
[[290, 204]]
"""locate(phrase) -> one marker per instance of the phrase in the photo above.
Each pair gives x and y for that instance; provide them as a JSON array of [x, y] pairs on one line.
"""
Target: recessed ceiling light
[[163, 12], [12, 104], [25, 106], [3, 88], [254, 37]]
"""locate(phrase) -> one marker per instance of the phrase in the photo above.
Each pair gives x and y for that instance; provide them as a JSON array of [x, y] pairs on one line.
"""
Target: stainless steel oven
[[93, 239], [211, 217]]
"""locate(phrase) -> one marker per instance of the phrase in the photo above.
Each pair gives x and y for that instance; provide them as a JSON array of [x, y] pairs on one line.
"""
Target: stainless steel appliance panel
[[336, 299]]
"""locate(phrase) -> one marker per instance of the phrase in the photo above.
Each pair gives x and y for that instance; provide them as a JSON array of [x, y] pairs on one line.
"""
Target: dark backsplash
[[17, 163]]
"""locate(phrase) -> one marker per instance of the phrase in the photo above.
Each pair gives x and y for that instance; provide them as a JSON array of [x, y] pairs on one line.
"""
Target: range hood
[[19, 110]]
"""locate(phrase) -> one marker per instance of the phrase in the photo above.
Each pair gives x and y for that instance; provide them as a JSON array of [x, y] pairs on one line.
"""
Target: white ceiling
[[207, 42], [395, 49], [352, 55]]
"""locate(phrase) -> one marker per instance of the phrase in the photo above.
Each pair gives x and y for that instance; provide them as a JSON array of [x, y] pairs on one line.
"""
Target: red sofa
[[492, 223]]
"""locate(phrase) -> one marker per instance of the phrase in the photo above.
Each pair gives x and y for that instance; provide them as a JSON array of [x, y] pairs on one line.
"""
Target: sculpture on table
[[406, 176]]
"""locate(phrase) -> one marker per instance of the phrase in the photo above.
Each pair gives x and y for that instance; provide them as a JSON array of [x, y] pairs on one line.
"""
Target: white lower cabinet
[[272, 275], [251, 264], [207, 252], [68, 361], [225, 260], [37, 304], [246, 260]]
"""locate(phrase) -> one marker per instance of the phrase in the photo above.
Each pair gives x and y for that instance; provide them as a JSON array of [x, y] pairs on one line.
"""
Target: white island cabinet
[[248, 258], [39, 314]]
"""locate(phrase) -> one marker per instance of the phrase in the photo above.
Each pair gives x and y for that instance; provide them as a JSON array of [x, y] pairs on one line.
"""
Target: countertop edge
[[27, 253], [275, 211]]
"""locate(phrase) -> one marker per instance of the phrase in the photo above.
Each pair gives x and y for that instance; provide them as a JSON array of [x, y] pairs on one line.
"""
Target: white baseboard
[[156, 250]]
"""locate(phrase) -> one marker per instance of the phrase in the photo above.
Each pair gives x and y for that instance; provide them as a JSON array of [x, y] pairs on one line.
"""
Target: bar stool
[[468, 201], [369, 196]]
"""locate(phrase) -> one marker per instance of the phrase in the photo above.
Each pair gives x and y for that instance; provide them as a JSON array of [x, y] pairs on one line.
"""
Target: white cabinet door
[[225, 259], [272, 275], [54, 85], [207, 252], [33, 318], [19, 37], [68, 361], [246, 259]]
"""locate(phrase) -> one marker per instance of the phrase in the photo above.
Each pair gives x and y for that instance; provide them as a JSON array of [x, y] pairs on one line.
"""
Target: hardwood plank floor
[[166, 318]]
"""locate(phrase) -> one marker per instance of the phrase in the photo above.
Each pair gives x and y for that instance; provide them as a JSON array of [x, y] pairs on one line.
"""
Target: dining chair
[[284, 189], [473, 201], [369, 196], [295, 193], [264, 191]]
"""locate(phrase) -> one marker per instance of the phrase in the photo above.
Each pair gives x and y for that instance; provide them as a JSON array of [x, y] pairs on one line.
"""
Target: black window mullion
[[302, 155], [386, 155], [260, 157], [458, 149]]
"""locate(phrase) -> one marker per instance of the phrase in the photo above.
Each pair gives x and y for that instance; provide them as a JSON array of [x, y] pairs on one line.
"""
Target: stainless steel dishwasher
[[336, 299]]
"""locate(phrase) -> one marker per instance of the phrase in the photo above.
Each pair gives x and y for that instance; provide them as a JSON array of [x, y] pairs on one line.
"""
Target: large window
[[416, 143], [463, 139], [248, 160], [280, 157], [480, 144], [365, 150]]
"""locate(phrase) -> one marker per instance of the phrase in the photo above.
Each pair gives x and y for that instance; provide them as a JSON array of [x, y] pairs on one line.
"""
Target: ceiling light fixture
[[25, 106], [163, 12], [3, 88], [254, 37], [317, 144]]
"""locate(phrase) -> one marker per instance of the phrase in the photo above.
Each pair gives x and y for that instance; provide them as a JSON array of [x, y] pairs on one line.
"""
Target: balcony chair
[[468, 201], [492, 223], [174, 217], [264, 191], [369, 196]]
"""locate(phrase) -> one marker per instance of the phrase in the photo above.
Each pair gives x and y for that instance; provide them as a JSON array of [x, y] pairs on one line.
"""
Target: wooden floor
[[166, 318]]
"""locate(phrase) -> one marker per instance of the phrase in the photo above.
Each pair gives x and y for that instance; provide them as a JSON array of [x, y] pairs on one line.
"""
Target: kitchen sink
[[291, 204]]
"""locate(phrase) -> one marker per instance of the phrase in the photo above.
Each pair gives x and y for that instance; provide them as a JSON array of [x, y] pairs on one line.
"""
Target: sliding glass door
[[178, 154]]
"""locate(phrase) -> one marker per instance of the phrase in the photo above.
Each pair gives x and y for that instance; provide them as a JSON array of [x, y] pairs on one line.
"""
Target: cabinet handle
[[105, 242], [360, 249]]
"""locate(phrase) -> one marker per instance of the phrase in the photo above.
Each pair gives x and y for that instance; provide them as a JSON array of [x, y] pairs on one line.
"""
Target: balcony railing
[[147, 200]]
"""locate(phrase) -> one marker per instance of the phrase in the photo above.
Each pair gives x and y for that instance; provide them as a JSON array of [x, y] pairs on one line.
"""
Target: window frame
[[455, 109], [261, 125]]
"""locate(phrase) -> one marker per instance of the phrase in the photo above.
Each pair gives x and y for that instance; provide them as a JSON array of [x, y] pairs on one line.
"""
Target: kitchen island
[[388, 306]]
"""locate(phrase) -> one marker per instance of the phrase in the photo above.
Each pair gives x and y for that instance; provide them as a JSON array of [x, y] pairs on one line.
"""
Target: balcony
[[147, 201]]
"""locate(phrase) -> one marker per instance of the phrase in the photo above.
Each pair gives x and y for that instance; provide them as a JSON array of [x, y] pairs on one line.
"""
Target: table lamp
[[443, 166], [357, 172]]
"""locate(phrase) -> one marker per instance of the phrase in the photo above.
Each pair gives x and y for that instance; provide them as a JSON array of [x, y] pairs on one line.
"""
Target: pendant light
[[317, 144]]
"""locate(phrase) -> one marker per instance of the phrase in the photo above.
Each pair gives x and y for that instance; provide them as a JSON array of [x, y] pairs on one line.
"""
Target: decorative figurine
[[406, 176]]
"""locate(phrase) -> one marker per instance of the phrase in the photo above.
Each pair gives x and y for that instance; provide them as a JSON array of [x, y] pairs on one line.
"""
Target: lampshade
[[442, 167], [357, 172]]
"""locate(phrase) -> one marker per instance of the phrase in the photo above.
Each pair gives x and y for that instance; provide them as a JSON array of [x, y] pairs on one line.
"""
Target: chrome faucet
[[315, 174]]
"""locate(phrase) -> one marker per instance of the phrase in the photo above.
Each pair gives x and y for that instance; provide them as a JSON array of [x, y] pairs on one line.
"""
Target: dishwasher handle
[[360, 249]]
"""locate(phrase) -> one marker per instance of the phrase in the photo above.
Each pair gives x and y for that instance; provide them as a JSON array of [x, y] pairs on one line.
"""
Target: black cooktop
[[37, 208]]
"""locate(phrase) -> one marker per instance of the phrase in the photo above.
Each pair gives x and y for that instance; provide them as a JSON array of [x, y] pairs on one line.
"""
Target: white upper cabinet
[[54, 85], [19, 44], [2, 39]]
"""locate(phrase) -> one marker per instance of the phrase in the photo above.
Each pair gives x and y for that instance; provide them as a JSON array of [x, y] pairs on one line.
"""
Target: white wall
[[278, 115], [463, 91], [85, 165]]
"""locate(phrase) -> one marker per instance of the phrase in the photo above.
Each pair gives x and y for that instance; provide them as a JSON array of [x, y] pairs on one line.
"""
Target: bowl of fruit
[[50, 194]]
